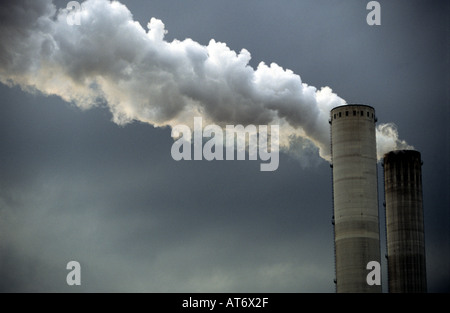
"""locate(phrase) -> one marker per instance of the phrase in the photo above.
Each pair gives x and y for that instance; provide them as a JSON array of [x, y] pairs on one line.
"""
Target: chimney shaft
[[404, 221], [355, 196]]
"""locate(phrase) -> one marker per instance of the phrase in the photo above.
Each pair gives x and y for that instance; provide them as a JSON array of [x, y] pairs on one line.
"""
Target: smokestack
[[404, 221], [355, 196]]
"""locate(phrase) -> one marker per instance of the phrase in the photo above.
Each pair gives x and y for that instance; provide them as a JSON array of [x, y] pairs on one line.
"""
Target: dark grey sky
[[76, 186]]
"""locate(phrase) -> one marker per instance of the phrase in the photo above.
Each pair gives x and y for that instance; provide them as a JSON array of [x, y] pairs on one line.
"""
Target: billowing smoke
[[387, 140], [110, 60]]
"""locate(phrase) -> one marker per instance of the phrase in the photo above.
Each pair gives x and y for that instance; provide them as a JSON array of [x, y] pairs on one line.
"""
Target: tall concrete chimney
[[404, 221], [355, 196]]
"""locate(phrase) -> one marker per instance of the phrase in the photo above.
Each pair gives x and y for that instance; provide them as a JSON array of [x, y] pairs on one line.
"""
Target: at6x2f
[[247, 302]]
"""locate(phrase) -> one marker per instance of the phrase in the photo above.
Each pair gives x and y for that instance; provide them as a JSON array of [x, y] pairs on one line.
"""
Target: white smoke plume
[[387, 140], [110, 59]]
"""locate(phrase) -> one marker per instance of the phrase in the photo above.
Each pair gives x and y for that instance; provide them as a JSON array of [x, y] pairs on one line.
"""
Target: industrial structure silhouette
[[356, 211]]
